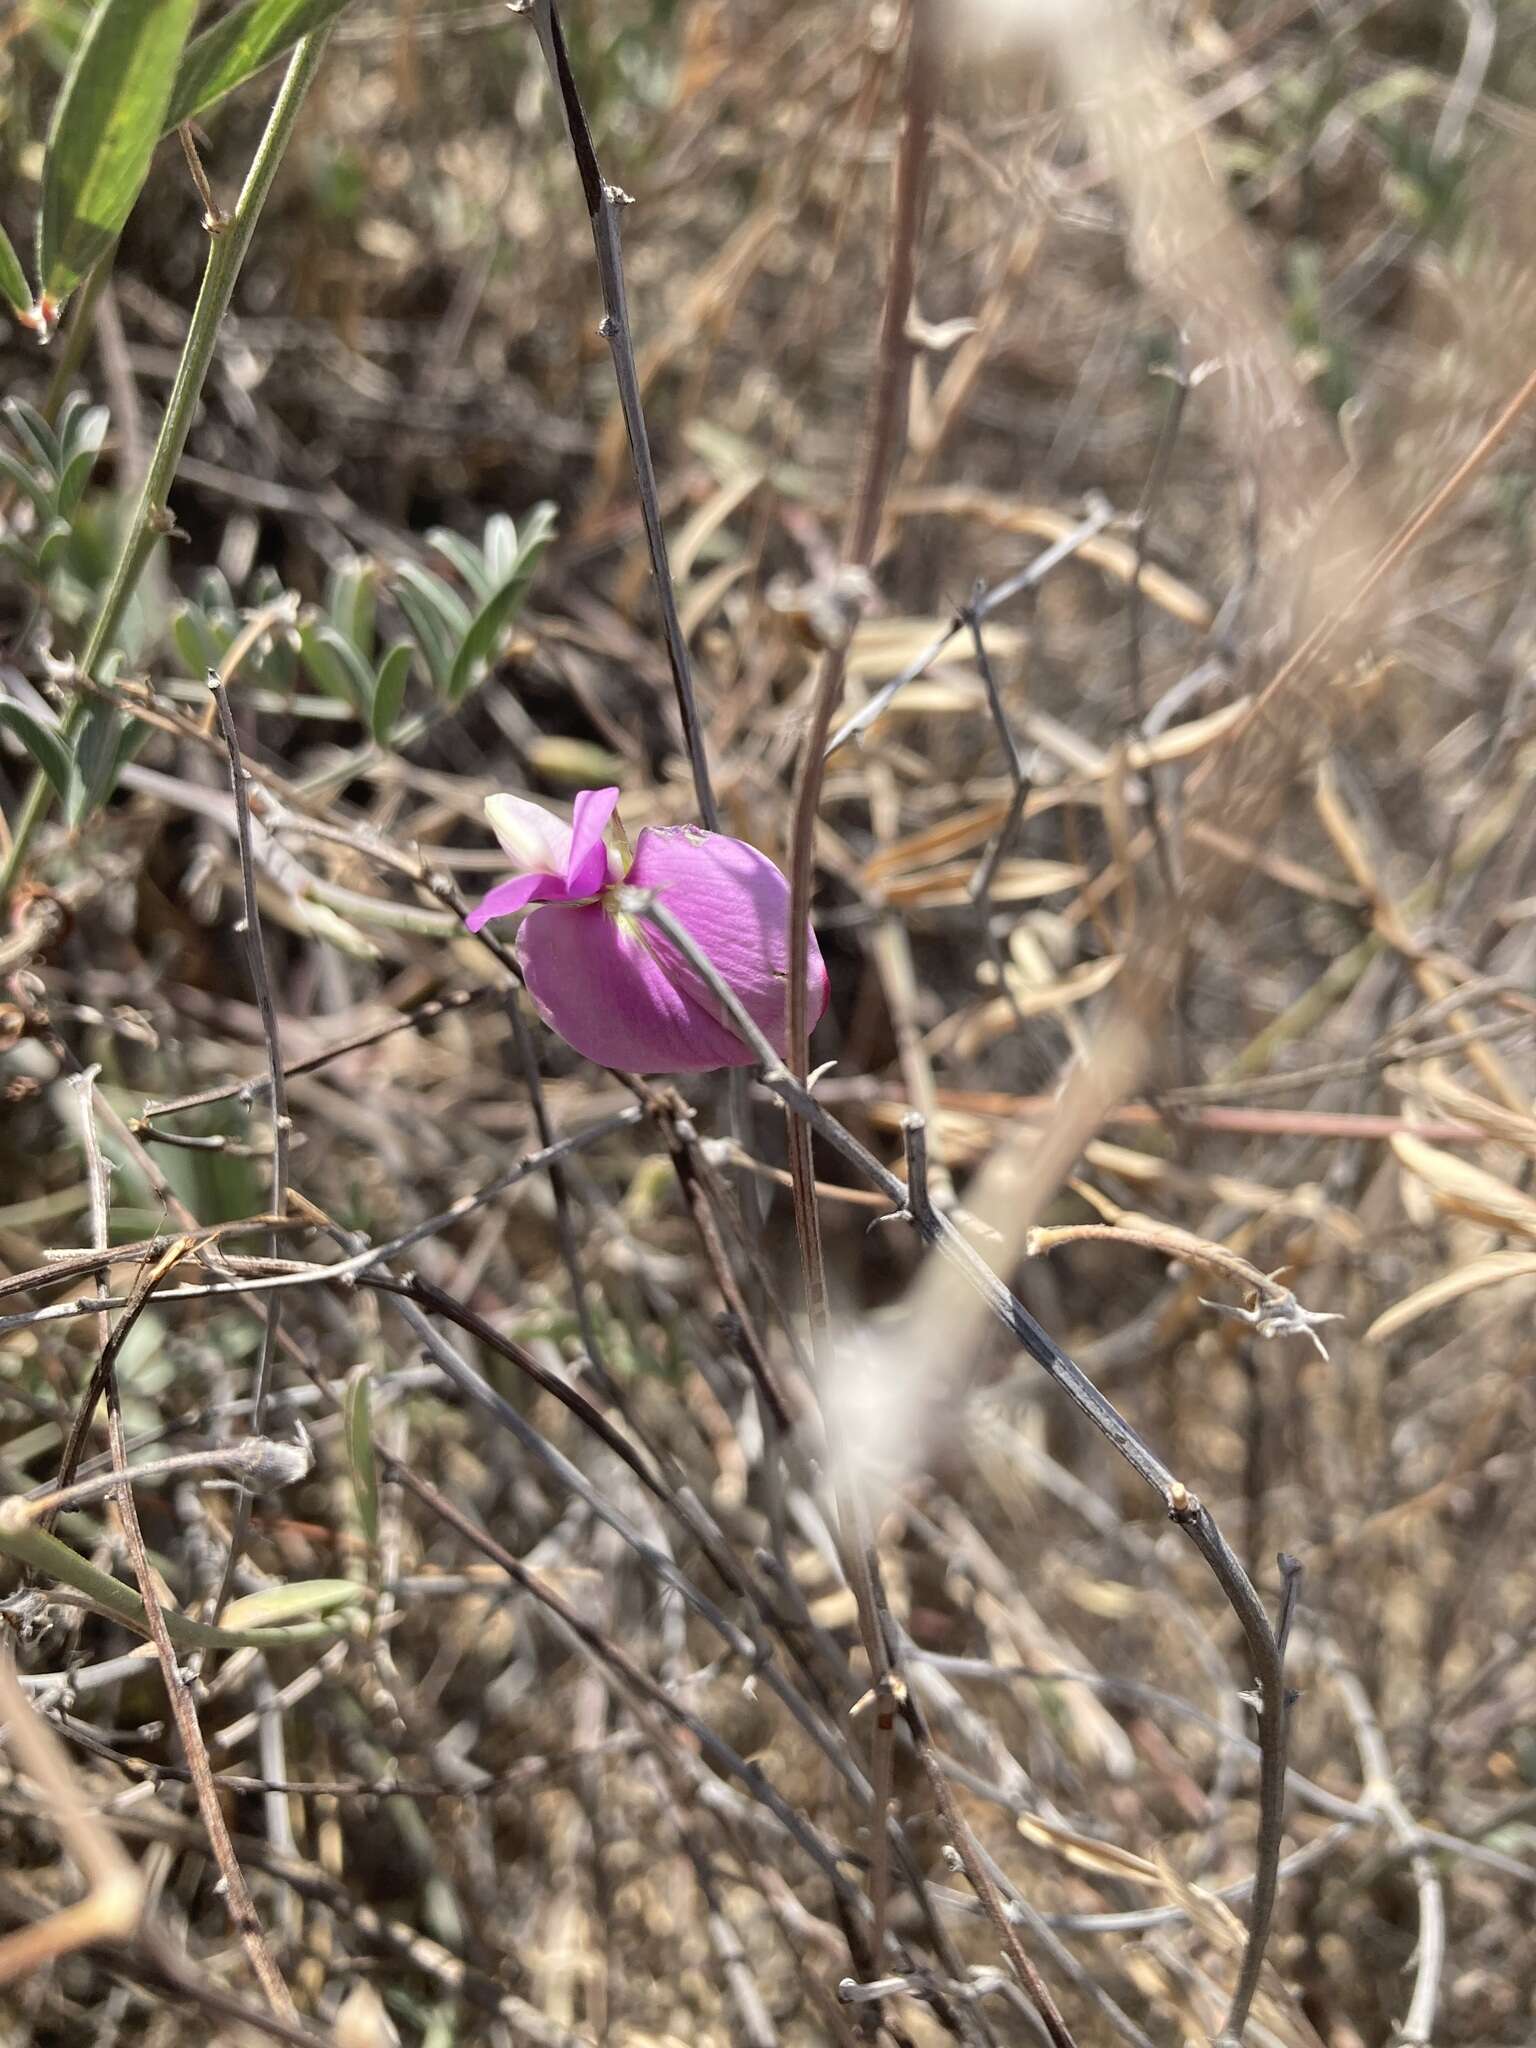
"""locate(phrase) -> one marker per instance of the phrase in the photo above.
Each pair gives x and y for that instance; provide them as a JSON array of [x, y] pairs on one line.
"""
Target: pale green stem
[[50, 1558], [151, 518]]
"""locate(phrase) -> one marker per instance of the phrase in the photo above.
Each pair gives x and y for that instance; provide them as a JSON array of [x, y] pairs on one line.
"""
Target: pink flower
[[609, 981]]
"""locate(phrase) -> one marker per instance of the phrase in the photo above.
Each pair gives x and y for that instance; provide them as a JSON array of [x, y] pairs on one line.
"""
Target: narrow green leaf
[[430, 637], [445, 601], [537, 528], [98, 755], [480, 642], [29, 426], [247, 39], [80, 439], [57, 1562], [336, 666], [349, 600], [18, 474], [420, 597], [216, 597], [198, 645], [500, 548], [357, 1418], [389, 690], [466, 558], [48, 748], [50, 547], [74, 480], [301, 1600], [135, 731], [13, 279], [106, 122]]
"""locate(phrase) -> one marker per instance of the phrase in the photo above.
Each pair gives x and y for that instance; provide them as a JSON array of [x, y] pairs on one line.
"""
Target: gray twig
[[282, 1124]]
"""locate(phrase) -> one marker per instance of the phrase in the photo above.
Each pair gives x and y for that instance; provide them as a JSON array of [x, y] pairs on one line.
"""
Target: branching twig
[[1183, 1507]]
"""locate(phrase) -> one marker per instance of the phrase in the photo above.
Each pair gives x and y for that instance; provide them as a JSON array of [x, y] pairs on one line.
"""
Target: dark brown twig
[[603, 202]]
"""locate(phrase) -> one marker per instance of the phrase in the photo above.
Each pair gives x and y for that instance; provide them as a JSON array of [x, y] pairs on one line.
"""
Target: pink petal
[[536, 841], [596, 982], [512, 895], [734, 902], [586, 866]]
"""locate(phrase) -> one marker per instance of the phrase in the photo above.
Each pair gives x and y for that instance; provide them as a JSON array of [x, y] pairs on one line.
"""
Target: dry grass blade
[[1494, 1269], [1462, 1189], [110, 1909]]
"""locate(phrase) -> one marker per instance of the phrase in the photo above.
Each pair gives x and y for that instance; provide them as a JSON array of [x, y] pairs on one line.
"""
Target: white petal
[[536, 841]]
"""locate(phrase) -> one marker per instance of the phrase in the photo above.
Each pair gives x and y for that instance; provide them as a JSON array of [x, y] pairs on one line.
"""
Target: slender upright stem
[[151, 517], [603, 203]]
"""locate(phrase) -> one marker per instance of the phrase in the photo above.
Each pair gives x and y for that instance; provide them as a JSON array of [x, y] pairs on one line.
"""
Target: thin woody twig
[[1380, 1793], [603, 202], [1276, 1312], [457, 1000], [1099, 515], [282, 1123], [1183, 1507], [237, 1895]]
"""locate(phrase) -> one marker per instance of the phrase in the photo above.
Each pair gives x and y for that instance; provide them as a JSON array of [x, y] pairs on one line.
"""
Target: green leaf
[[79, 445], [98, 758], [28, 425], [52, 544], [337, 667], [13, 279], [466, 558], [479, 643], [302, 1600], [47, 747], [106, 122], [18, 474], [445, 601], [349, 599], [423, 598], [500, 548], [357, 1416], [389, 690], [198, 645], [216, 597], [235, 49], [537, 530]]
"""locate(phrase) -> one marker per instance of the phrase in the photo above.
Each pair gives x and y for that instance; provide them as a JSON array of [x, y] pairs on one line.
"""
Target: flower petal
[[512, 895], [734, 902], [597, 983], [536, 841], [586, 865]]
